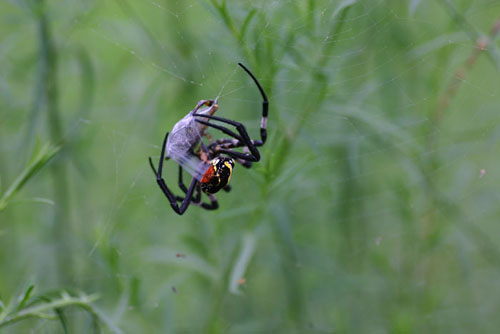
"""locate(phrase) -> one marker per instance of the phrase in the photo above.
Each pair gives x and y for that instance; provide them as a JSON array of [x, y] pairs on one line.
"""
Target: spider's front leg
[[228, 143], [265, 106], [242, 137]]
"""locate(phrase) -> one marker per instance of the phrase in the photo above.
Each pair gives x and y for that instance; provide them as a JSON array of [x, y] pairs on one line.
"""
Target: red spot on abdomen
[[208, 174]]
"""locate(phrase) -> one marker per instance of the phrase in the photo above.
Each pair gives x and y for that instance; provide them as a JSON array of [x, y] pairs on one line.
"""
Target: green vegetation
[[374, 208]]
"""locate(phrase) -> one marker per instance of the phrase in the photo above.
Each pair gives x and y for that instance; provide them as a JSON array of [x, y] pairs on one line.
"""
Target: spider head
[[217, 175]]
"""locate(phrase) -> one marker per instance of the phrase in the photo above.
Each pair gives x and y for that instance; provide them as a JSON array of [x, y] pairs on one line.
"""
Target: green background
[[374, 209]]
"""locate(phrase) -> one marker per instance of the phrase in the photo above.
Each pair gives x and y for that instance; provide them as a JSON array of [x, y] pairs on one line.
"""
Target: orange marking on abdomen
[[208, 174]]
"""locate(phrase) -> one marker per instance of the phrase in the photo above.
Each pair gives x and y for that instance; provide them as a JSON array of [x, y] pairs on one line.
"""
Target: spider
[[210, 165]]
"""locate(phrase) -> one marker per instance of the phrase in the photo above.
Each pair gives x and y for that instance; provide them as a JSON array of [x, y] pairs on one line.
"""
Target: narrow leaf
[[25, 297], [241, 264], [39, 160], [247, 21]]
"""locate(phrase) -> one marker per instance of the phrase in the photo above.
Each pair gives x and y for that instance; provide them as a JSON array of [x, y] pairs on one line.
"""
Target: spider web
[[385, 131]]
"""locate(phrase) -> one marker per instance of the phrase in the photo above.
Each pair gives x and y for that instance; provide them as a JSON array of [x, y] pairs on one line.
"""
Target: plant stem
[[482, 44], [318, 79], [61, 226], [223, 12]]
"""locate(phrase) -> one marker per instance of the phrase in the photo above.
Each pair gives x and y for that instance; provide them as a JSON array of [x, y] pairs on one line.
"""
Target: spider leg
[[251, 153], [213, 205], [218, 127], [196, 198], [265, 105], [243, 137], [181, 182], [163, 186], [217, 146], [152, 166], [233, 143], [245, 163]]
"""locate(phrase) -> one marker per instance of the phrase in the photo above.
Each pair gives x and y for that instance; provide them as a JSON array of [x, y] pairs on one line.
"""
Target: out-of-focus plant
[[51, 306], [40, 158]]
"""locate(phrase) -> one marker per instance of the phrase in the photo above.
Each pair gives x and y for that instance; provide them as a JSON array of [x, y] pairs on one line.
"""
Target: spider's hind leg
[[196, 199], [213, 205], [182, 186], [163, 186]]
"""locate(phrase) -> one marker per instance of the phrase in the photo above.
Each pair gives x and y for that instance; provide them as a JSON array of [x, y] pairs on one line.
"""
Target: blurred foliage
[[50, 306], [42, 156], [374, 208]]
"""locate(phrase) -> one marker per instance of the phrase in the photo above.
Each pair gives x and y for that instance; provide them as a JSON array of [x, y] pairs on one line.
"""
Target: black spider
[[212, 165]]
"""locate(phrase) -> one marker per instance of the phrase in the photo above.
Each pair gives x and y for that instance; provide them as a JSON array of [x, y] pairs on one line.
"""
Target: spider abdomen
[[218, 175]]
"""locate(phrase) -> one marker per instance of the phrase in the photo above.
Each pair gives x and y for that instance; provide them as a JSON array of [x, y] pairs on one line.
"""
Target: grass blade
[[40, 159], [241, 264]]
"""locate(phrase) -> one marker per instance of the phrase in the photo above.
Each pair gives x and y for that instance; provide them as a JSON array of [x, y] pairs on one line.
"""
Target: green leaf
[[40, 158], [26, 296], [247, 21]]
